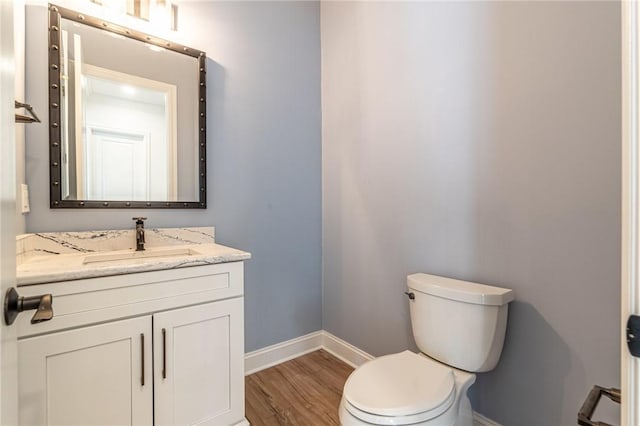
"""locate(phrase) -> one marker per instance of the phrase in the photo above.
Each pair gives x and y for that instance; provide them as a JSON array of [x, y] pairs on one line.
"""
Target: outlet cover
[[25, 198]]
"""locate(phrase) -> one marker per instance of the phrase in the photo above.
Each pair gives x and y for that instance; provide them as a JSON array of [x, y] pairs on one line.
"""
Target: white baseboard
[[281, 352], [285, 351], [480, 420], [344, 351]]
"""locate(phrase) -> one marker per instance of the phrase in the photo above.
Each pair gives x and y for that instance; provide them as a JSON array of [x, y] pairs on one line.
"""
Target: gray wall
[[263, 159], [479, 141]]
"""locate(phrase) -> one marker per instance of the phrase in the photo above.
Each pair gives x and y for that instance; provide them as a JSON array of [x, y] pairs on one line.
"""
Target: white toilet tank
[[459, 323]]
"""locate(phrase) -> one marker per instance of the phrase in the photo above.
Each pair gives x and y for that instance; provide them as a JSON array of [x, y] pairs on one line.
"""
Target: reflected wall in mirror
[[128, 117]]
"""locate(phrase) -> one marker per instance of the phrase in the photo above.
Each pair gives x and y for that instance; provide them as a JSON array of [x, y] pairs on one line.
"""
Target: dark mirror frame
[[56, 13]]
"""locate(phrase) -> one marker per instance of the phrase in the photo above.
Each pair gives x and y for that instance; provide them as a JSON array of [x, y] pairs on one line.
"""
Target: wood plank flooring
[[305, 391]]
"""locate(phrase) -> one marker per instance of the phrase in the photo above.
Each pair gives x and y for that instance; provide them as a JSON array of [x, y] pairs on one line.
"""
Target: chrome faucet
[[139, 232]]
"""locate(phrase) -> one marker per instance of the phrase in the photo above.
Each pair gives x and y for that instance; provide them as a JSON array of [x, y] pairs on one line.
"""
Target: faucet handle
[[139, 219]]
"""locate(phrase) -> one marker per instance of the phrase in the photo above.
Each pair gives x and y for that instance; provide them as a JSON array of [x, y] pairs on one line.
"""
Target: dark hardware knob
[[14, 304], [410, 295], [633, 335]]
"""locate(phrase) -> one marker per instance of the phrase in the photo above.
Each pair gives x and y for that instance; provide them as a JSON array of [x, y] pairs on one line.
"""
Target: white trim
[[281, 352], [630, 296], [78, 109], [344, 351], [480, 420], [290, 349]]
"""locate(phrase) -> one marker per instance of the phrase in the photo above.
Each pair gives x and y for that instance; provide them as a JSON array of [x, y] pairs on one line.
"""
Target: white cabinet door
[[98, 375], [199, 363]]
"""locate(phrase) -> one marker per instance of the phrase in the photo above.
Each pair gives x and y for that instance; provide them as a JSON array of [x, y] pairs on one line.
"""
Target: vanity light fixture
[[159, 12]]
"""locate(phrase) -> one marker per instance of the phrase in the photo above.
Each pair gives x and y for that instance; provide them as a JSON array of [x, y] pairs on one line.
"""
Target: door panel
[[89, 376], [200, 350], [8, 346], [630, 294], [117, 164]]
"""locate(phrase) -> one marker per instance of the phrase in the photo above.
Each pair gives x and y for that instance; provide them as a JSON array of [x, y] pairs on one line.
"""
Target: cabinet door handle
[[142, 358], [164, 353]]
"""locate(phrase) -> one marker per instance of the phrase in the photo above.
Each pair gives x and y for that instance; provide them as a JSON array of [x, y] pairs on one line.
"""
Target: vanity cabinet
[[168, 350]]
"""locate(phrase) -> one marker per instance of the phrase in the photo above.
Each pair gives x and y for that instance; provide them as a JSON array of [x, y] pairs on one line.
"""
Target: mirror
[[128, 117]]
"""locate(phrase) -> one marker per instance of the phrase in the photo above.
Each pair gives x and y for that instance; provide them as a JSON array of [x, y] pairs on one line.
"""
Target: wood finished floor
[[305, 391]]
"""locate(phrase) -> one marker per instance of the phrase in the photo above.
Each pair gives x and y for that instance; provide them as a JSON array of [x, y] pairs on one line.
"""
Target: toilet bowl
[[459, 328], [406, 389]]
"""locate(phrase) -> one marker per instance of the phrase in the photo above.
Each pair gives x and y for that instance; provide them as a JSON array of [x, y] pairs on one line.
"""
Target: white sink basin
[[119, 256]]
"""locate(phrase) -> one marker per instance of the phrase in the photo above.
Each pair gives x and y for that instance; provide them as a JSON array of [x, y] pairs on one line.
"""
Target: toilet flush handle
[[410, 295]]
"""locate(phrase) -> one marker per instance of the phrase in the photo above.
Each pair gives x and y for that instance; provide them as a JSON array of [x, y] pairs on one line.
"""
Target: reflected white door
[[117, 165], [8, 345]]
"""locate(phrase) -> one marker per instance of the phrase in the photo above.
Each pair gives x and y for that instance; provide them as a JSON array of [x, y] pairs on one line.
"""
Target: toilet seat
[[399, 389], [412, 419]]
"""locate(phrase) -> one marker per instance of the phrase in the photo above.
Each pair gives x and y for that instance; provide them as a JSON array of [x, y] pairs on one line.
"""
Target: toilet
[[459, 327]]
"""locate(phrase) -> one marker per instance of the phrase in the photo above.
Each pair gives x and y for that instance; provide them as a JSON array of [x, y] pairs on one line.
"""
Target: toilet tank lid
[[463, 291]]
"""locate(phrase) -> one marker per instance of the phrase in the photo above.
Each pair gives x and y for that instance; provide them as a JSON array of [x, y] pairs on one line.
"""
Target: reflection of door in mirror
[[117, 165], [123, 102], [124, 141]]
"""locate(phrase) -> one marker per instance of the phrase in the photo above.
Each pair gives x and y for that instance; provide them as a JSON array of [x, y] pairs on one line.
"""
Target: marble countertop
[[66, 256], [65, 267]]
